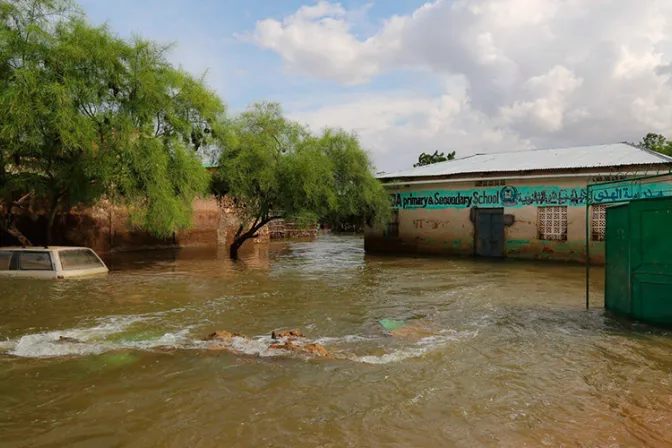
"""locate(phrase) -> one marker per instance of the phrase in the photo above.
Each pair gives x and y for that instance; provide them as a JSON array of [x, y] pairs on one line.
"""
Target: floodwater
[[511, 357]]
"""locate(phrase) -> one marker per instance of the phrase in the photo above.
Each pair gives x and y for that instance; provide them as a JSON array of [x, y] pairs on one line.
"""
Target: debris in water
[[223, 335], [222, 340], [287, 334], [316, 349], [313, 349], [289, 346], [415, 330], [67, 340], [391, 324], [216, 347]]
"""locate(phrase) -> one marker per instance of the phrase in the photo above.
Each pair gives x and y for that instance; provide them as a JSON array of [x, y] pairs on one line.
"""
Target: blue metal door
[[489, 233]]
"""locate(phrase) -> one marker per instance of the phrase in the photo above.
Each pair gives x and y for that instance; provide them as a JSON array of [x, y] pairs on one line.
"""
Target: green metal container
[[639, 260]]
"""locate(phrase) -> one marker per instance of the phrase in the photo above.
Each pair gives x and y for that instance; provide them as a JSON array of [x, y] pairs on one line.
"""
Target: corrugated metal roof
[[613, 155]]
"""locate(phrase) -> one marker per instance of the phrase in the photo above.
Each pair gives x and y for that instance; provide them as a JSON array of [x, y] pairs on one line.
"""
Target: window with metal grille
[[552, 223], [598, 222]]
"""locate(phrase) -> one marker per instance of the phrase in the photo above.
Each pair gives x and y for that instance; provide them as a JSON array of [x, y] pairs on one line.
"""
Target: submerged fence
[[280, 229]]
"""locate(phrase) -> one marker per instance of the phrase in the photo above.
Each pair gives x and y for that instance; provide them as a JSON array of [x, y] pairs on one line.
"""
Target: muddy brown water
[[513, 358]]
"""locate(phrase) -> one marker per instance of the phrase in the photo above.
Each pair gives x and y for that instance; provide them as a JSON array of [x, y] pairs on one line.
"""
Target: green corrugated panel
[[651, 260], [617, 285]]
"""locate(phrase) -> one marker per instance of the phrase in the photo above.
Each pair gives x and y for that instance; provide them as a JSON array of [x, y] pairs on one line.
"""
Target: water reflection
[[509, 357]]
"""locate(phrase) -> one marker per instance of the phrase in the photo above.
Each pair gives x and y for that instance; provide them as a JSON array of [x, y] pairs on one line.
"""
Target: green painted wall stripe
[[515, 197]]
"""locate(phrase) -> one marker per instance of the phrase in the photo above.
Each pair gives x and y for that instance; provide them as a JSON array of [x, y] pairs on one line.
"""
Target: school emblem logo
[[509, 196]]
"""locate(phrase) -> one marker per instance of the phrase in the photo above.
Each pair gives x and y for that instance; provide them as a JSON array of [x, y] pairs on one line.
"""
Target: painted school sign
[[514, 197]]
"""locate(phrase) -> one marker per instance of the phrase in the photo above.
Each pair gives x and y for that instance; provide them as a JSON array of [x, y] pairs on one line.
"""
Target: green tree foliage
[[87, 115], [276, 169], [360, 197], [657, 142], [428, 159]]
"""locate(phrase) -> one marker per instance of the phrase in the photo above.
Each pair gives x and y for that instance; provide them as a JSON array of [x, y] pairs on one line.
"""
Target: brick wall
[[107, 228]]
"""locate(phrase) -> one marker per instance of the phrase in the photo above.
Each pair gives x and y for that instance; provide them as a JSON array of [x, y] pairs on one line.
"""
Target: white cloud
[[321, 9], [547, 110], [396, 127], [317, 40], [518, 72]]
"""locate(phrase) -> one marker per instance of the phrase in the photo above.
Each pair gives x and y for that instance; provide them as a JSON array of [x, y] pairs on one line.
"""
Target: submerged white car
[[50, 262]]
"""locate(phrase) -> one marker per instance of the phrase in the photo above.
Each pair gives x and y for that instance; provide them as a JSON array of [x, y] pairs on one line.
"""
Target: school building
[[523, 204]]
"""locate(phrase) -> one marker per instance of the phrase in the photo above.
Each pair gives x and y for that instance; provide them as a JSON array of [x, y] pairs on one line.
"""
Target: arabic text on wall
[[513, 197]]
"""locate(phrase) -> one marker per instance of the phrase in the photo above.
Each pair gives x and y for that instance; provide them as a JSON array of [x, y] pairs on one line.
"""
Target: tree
[[428, 159], [88, 115], [274, 168], [657, 142], [360, 197]]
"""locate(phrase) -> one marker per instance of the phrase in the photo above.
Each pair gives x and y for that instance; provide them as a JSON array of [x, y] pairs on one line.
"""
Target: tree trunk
[[50, 222], [242, 237], [16, 233], [9, 226], [233, 250]]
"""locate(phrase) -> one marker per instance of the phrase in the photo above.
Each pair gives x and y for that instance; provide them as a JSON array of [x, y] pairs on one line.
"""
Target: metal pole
[[588, 248]]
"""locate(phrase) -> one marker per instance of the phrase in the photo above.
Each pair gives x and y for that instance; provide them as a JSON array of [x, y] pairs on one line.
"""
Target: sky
[[409, 76]]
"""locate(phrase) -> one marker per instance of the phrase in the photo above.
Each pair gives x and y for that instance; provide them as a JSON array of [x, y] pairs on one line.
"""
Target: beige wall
[[450, 230]]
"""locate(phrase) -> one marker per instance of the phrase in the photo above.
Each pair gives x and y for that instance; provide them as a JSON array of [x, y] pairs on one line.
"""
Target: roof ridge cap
[[649, 151]]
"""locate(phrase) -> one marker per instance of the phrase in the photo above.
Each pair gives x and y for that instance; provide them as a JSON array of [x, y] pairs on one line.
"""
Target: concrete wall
[[451, 230]]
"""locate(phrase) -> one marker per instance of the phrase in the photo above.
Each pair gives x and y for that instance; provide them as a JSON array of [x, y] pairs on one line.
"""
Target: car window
[[5, 258], [35, 261], [79, 259]]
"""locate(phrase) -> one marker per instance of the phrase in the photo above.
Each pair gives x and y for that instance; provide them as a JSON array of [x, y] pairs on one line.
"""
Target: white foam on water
[[421, 396], [395, 356], [7, 345], [92, 340], [44, 345], [346, 338], [175, 339], [254, 346], [419, 349], [259, 346]]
